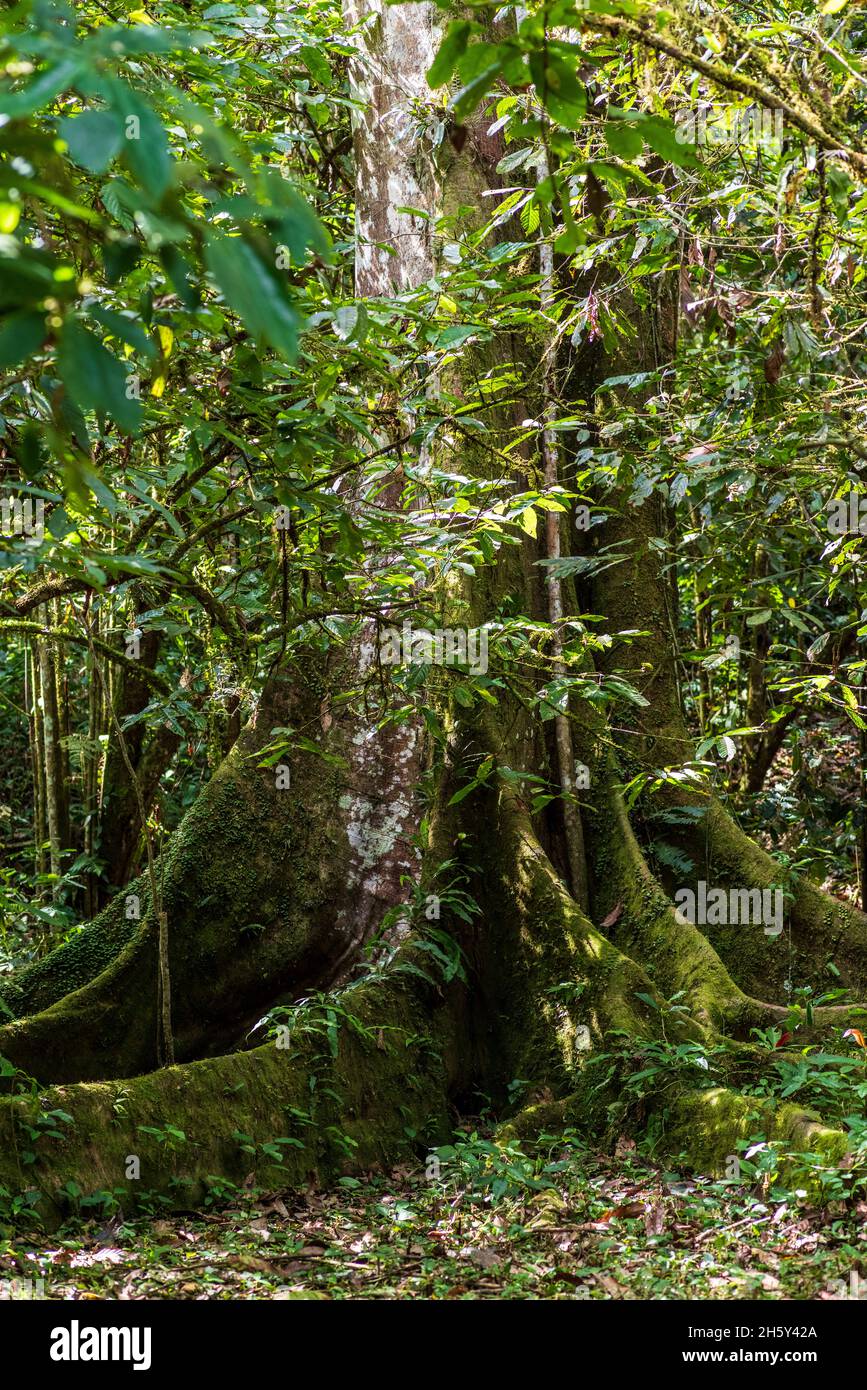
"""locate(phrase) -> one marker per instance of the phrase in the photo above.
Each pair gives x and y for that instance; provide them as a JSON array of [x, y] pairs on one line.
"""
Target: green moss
[[707, 1126], [244, 856], [366, 1105]]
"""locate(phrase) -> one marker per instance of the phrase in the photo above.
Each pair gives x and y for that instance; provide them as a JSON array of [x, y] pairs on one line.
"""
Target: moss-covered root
[[678, 955], [273, 878], [366, 1083], [679, 959], [42, 983], [106, 1028], [818, 927], [705, 1127], [369, 1093], [550, 983], [704, 1131]]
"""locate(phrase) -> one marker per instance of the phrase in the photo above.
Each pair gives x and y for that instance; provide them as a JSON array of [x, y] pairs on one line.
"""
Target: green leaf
[[464, 792], [661, 136], [126, 329], [647, 999], [316, 64], [299, 230], [145, 144], [20, 335], [451, 49], [93, 138], [253, 290], [528, 521], [94, 378], [180, 273], [623, 140], [559, 90], [468, 98], [43, 89]]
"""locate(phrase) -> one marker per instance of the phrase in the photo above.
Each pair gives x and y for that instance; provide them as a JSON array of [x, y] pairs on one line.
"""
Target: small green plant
[[220, 1191], [118, 1104], [489, 1170], [44, 1125], [801, 1009], [342, 1142], [317, 1016], [169, 1136], [19, 1210], [105, 1203], [271, 1153]]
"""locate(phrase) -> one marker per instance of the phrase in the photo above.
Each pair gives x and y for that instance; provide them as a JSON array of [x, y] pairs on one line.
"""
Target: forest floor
[[495, 1224]]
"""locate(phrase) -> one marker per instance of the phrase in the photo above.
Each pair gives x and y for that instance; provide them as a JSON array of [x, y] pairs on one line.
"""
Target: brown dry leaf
[[549, 1210], [687, 296], [654, 1220], [597, 196], [251, 1264], [285, 1295], [364, 1242], [625, 1209], [164, 1230], [704, 452], [774, 362], [276, 1204], [611, 1286], [485, 1256], [613, 917], [764, 1257]]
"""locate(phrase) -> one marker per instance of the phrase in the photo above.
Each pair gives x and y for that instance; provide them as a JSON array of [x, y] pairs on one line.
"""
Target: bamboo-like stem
[[165, 1036], [51, 762], [90, 775], [34, 714]]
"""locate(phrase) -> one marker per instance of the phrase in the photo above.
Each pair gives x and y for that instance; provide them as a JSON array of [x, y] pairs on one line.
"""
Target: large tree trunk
[[270, 892]]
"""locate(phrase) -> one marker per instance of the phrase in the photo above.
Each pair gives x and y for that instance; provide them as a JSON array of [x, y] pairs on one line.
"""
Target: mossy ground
[[558, 1222]]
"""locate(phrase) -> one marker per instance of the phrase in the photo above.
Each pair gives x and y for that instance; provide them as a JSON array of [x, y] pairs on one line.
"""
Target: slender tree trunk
[[51, 761], [37, 757], [61, 700], [90, 762]]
